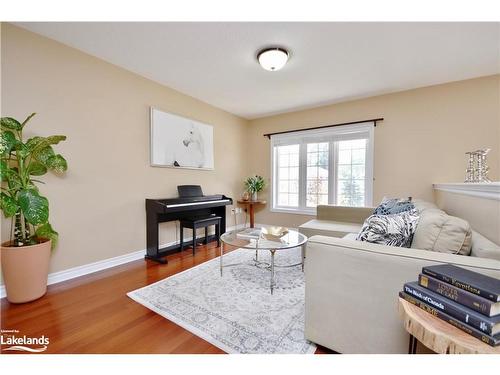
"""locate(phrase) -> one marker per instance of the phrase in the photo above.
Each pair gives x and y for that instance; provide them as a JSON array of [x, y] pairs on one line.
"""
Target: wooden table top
[[251, 202], [439, 335]]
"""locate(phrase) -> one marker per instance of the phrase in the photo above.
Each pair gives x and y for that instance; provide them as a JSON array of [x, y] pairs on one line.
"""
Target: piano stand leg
[[157, 259], [194, 239]]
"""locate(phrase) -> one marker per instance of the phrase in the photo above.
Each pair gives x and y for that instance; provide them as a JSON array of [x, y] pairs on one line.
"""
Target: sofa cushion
[[421, 205], [328, 228], [343, 214], [437, 231], [392, 230], [483, 247], [350, 236]]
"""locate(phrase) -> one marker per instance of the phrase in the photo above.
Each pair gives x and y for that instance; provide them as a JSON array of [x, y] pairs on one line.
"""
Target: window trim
[[336, 132]]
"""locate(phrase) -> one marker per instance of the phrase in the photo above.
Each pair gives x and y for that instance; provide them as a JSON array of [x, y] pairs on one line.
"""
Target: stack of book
[[468, 300]]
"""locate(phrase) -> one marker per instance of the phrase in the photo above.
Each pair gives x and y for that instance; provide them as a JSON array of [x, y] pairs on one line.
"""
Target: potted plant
[[254, 184], [25, 257]]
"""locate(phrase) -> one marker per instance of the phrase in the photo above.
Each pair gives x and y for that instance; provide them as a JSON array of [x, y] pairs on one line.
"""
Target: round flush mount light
[[273, 58]]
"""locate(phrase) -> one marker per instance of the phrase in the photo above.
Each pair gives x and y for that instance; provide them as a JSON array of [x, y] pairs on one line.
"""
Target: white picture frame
[[180, 142]]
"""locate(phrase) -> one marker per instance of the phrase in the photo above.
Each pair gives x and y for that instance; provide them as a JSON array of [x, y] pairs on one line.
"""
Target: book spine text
[[460, 284], [456, 294], [461, 313]]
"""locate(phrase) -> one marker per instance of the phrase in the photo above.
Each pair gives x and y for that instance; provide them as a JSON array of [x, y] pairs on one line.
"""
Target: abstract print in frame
[[180, 142]]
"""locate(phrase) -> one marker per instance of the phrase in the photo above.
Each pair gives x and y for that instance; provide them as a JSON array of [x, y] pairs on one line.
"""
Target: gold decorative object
[[245, 196], [273, 233]]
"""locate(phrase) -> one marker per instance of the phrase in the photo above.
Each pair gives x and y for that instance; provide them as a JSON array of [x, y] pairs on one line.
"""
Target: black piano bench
[[200, 222]]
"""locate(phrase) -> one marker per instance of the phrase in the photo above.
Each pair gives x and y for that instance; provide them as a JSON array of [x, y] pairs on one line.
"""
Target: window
[[317, 174], [325, 166], [351, 172], [288, 176]]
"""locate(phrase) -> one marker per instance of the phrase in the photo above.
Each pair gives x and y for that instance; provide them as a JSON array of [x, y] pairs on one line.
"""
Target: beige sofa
[[352, 286]]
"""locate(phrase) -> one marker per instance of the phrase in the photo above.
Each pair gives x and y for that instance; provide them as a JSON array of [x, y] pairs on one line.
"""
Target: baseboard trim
[[74, 272]]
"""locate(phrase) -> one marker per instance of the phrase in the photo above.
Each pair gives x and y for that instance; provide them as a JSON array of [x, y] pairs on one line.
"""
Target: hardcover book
[[463, 297], [490, 340], [491, 326], [473, 282], [249, 234]]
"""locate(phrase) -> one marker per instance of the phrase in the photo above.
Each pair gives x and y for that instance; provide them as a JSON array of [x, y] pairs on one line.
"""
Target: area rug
[[236, 312]]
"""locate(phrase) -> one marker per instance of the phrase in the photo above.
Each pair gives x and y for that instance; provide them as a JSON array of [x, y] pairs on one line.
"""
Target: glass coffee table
[[288, 241]]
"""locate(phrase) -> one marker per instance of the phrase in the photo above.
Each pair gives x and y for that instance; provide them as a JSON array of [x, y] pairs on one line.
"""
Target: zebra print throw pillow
[[392, 230]]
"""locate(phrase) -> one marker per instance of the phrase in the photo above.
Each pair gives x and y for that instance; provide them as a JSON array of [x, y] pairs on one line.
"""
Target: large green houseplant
[[22, 162]]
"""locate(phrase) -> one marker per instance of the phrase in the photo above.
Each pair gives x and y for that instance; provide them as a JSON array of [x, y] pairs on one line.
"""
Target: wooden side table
[[249, 205], [438, 335]]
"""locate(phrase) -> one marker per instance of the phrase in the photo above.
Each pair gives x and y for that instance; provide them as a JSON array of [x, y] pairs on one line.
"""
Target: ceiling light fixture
[[273, 58]]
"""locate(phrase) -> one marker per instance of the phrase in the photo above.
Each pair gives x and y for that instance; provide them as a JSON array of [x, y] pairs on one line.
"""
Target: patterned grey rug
[[236, 312]]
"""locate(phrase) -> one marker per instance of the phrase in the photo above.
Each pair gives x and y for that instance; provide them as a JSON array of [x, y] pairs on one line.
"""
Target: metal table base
[[270, 266]]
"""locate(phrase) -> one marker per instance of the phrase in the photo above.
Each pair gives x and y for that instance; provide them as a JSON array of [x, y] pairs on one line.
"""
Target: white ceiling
[[330, 62]]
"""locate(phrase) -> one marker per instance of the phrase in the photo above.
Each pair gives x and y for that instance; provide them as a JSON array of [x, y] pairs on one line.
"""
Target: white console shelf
[[476, 189]]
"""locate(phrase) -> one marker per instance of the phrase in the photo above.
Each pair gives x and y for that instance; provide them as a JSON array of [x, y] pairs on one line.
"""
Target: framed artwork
[[180, 142]]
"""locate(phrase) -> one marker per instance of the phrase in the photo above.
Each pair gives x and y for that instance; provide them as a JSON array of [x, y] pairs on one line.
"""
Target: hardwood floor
[[92, 314]]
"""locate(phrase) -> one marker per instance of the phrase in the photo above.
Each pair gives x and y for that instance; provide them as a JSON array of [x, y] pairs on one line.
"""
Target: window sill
[[294, 211]]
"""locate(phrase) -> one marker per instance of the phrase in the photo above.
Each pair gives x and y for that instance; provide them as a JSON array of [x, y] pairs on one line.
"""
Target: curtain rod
[[374, 120]]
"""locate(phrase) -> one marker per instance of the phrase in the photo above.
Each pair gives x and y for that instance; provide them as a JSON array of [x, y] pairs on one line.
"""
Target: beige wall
[[98, 207], [421, 141]]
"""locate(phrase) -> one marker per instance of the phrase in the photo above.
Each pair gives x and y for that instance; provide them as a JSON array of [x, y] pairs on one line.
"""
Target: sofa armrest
[[343, 214], [352, 291]]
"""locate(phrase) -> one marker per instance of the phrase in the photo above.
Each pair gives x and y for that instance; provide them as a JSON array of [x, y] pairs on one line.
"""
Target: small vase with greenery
[[22, 164], [254, 184]]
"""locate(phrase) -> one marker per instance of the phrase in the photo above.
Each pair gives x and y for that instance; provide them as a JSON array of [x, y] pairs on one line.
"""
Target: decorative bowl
[[273, 233]]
